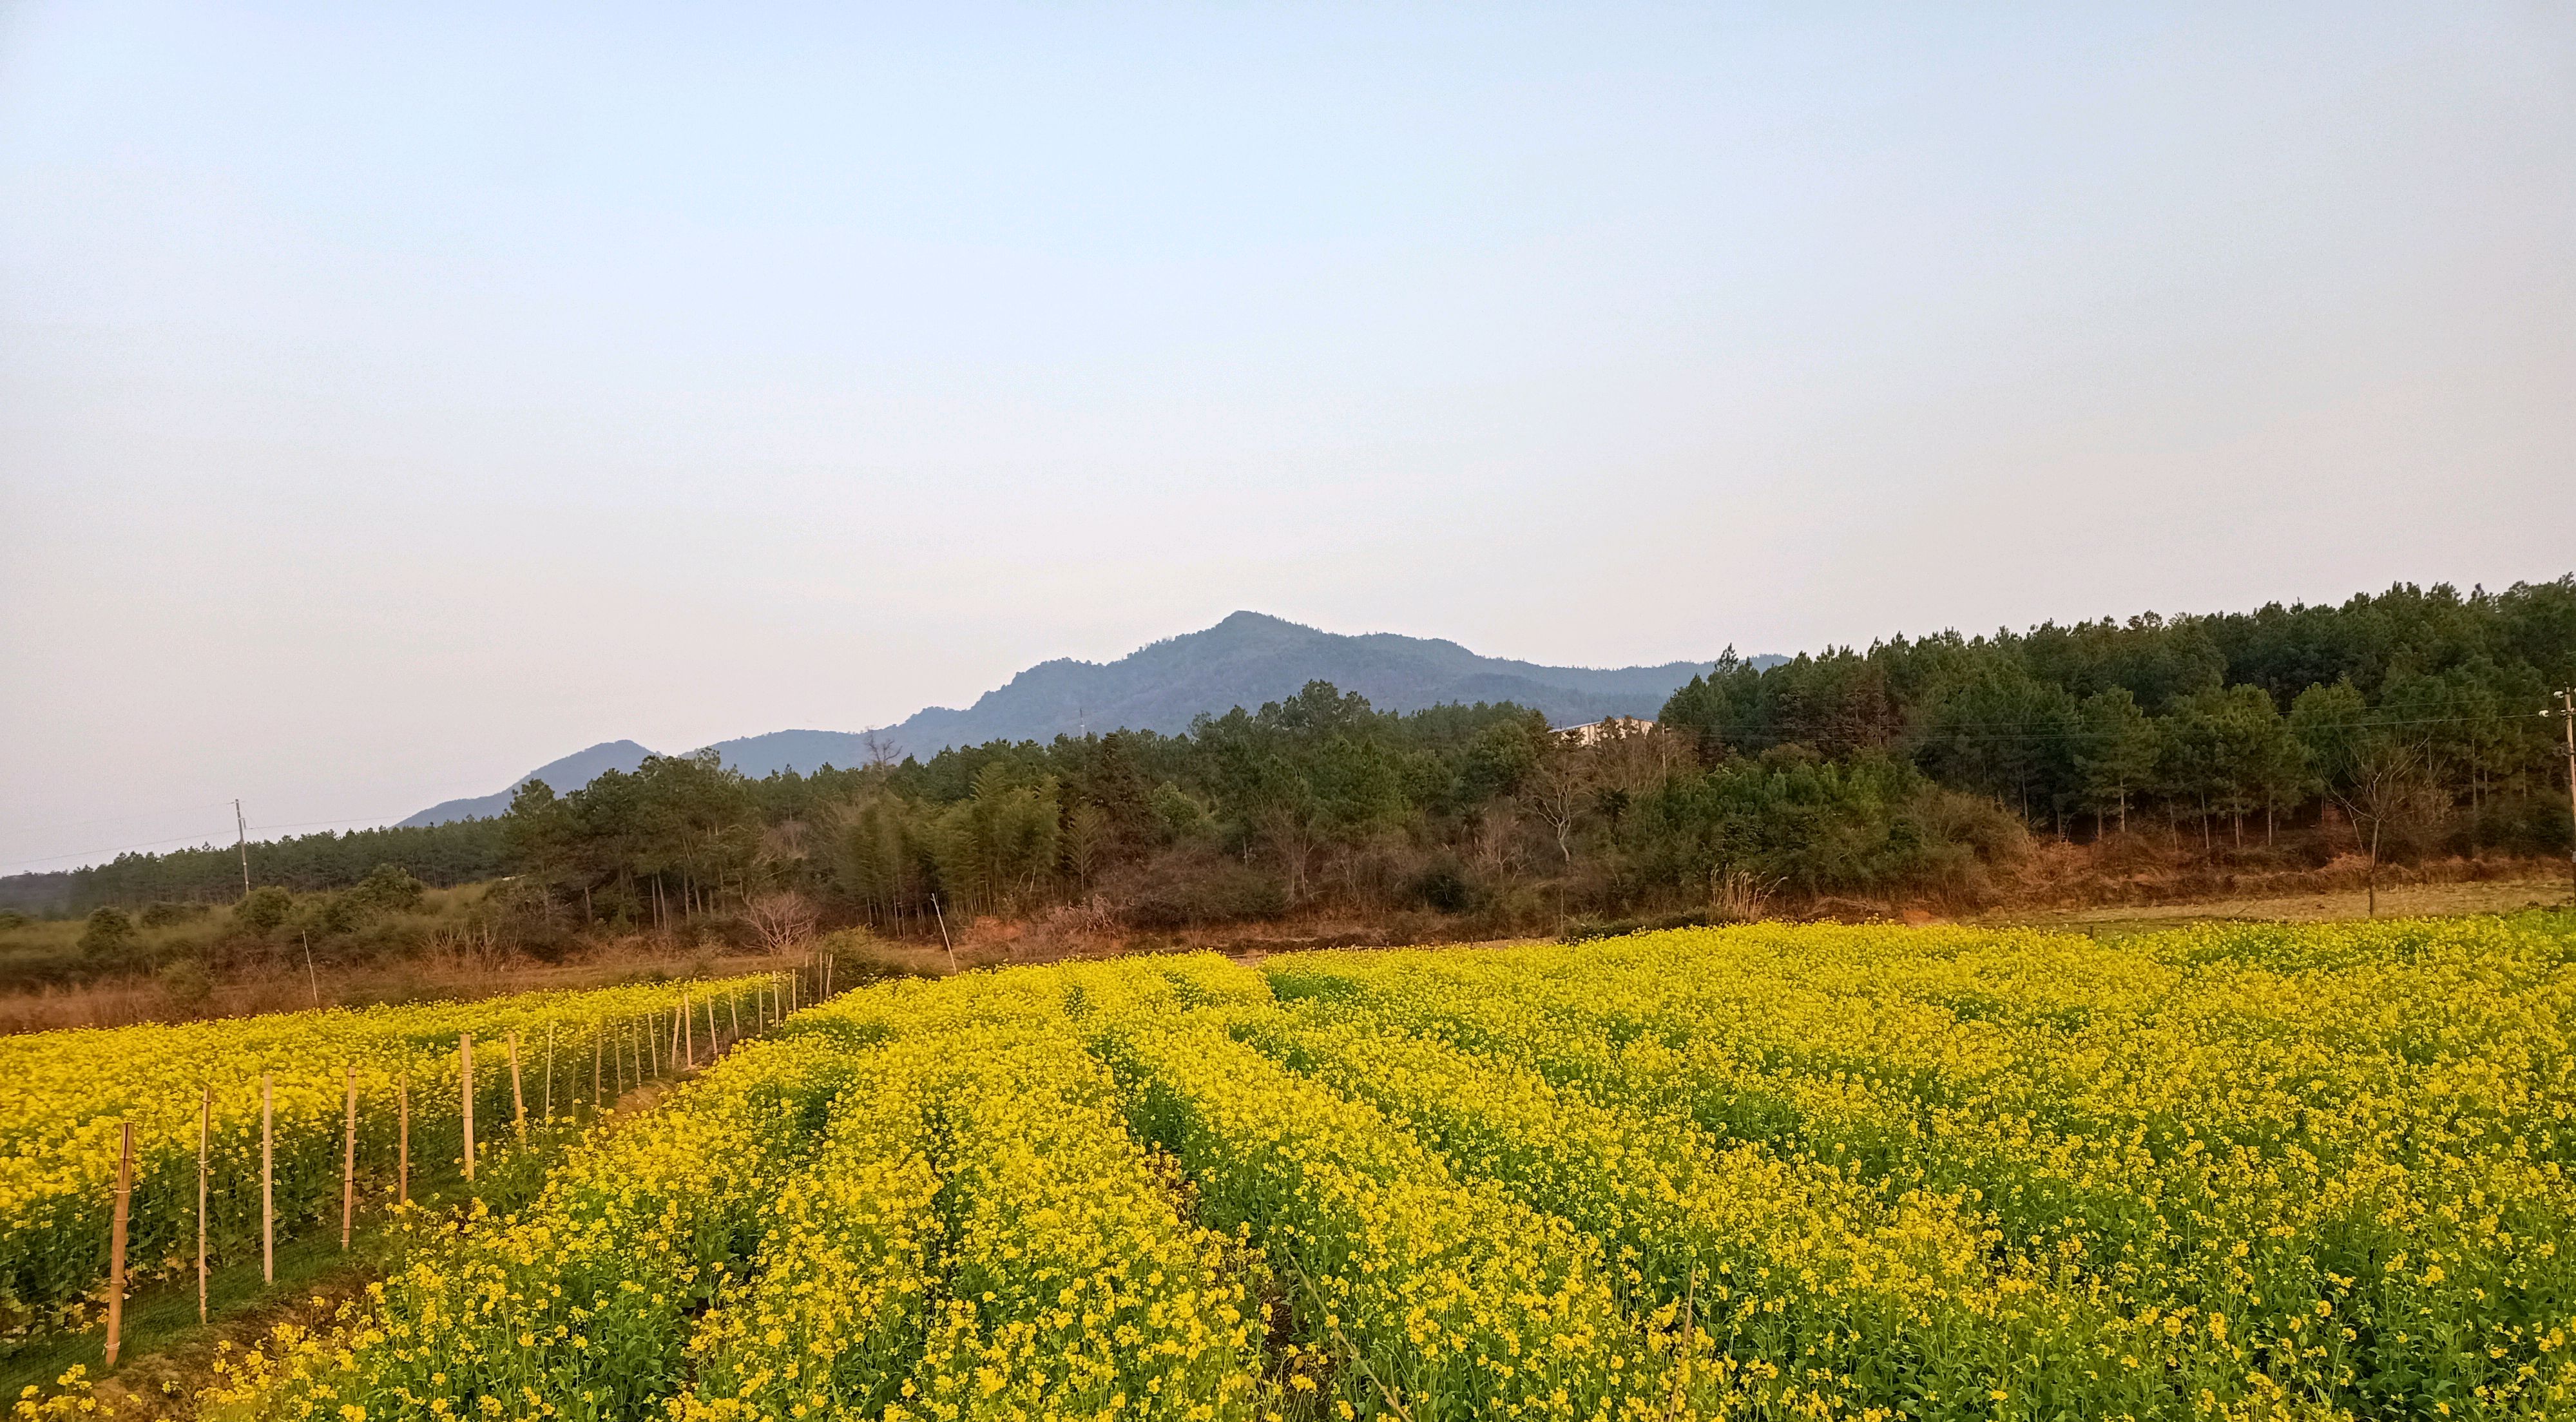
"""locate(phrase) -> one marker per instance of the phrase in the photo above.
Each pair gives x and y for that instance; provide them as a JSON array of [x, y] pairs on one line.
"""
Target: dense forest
[[2419, 715], [457, 853], [2393, 727]]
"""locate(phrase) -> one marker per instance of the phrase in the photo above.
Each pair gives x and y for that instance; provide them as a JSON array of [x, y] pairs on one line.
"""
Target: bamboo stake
[[673, 1055], [598, 1044], [733, 1009], [713, 1046], [652, 1049], [267, 1180], [465, 1089], [349, 1165], [205, 1132], [518, 1102], [402, 1143], [116, 1240], [688, 1037], [550, 1073]]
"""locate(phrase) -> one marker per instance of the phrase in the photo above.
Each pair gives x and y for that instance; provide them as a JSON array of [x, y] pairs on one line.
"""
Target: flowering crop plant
[[1885, 1173], [64, 1097]]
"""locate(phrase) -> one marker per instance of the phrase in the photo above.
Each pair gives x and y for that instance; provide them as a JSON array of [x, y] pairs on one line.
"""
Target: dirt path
[[2395, 901]]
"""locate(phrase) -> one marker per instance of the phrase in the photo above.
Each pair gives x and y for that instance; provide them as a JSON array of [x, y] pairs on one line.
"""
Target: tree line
[[459, 852], [2418, 714], [2398, 724]]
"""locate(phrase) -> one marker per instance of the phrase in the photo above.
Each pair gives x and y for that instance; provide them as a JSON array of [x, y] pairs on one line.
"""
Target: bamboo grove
[[1775, 1172]]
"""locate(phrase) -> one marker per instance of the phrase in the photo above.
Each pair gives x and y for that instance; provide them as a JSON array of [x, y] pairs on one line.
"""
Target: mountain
[[1250, 658], [570, 773], [1247, 659]]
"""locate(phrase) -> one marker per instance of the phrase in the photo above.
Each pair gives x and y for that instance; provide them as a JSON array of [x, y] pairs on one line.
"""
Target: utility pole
[[241, 840], [2567, 723]]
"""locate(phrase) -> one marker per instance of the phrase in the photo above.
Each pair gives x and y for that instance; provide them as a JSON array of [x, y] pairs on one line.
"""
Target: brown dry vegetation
[[2143, 879]]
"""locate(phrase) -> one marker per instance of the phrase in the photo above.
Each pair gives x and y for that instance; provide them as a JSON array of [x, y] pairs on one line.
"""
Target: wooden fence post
[[267, 1179], [402, 1140], [518, 1101], [465, 1088], [349, 1165], [205, 1132], [116, 1240]]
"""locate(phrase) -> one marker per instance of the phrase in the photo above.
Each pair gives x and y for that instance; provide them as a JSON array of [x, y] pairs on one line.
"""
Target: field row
[[1765, 1172], [300, 1097]]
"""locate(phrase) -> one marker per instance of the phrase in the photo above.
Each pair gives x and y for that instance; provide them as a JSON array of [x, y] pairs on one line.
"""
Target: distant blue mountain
[[1247, 659], [570, 773]]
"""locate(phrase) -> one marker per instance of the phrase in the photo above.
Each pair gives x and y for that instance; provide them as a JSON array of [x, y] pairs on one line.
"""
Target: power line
[[26, 830], [201, 841]]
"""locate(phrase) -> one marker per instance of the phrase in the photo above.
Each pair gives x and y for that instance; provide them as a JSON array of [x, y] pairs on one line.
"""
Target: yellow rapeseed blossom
[[65, 1095], [2247, 1173]]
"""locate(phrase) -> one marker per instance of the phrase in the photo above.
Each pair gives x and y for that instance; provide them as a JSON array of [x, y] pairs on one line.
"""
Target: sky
[[394, 398]]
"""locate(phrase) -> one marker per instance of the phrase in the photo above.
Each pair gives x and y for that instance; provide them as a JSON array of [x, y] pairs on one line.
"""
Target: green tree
[[2375, 771], [2004, 733], [389, 890], [109, 941], [2229, 753], [2116, 748], [1001, 844], [262, 909]]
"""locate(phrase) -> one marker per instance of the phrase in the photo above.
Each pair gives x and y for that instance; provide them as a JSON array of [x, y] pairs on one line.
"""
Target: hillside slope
[[570, 773], [1247, 659]]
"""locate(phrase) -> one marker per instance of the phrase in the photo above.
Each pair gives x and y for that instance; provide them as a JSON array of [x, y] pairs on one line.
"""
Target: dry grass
[[2395, 901], [288, 986]]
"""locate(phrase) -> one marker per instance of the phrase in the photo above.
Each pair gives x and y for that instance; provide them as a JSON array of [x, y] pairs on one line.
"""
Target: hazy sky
[[393, 398]]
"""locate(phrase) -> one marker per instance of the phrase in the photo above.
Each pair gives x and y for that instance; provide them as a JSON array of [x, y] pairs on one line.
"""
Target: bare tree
[[1559, 787], [2384, 786], [782, 919], [1491, 845], [882, 753], [1290, 830], [1637, 756]]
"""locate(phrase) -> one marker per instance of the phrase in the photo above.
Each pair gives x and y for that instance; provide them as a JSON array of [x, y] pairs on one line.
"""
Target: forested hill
[[1246, 660], [1249, 659]]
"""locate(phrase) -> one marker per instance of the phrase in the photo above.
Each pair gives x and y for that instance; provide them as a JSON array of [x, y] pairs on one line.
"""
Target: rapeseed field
[[1767, 1172], [225, 1088]]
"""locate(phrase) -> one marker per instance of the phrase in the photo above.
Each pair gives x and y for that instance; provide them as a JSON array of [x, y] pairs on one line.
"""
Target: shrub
[[1187, 888], [108, 941], [1443, 884], [262, 909], [187, 983], [389, 888]]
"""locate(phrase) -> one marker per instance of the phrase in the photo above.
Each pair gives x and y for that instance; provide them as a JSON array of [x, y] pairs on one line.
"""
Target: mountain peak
[[1244, 660]]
